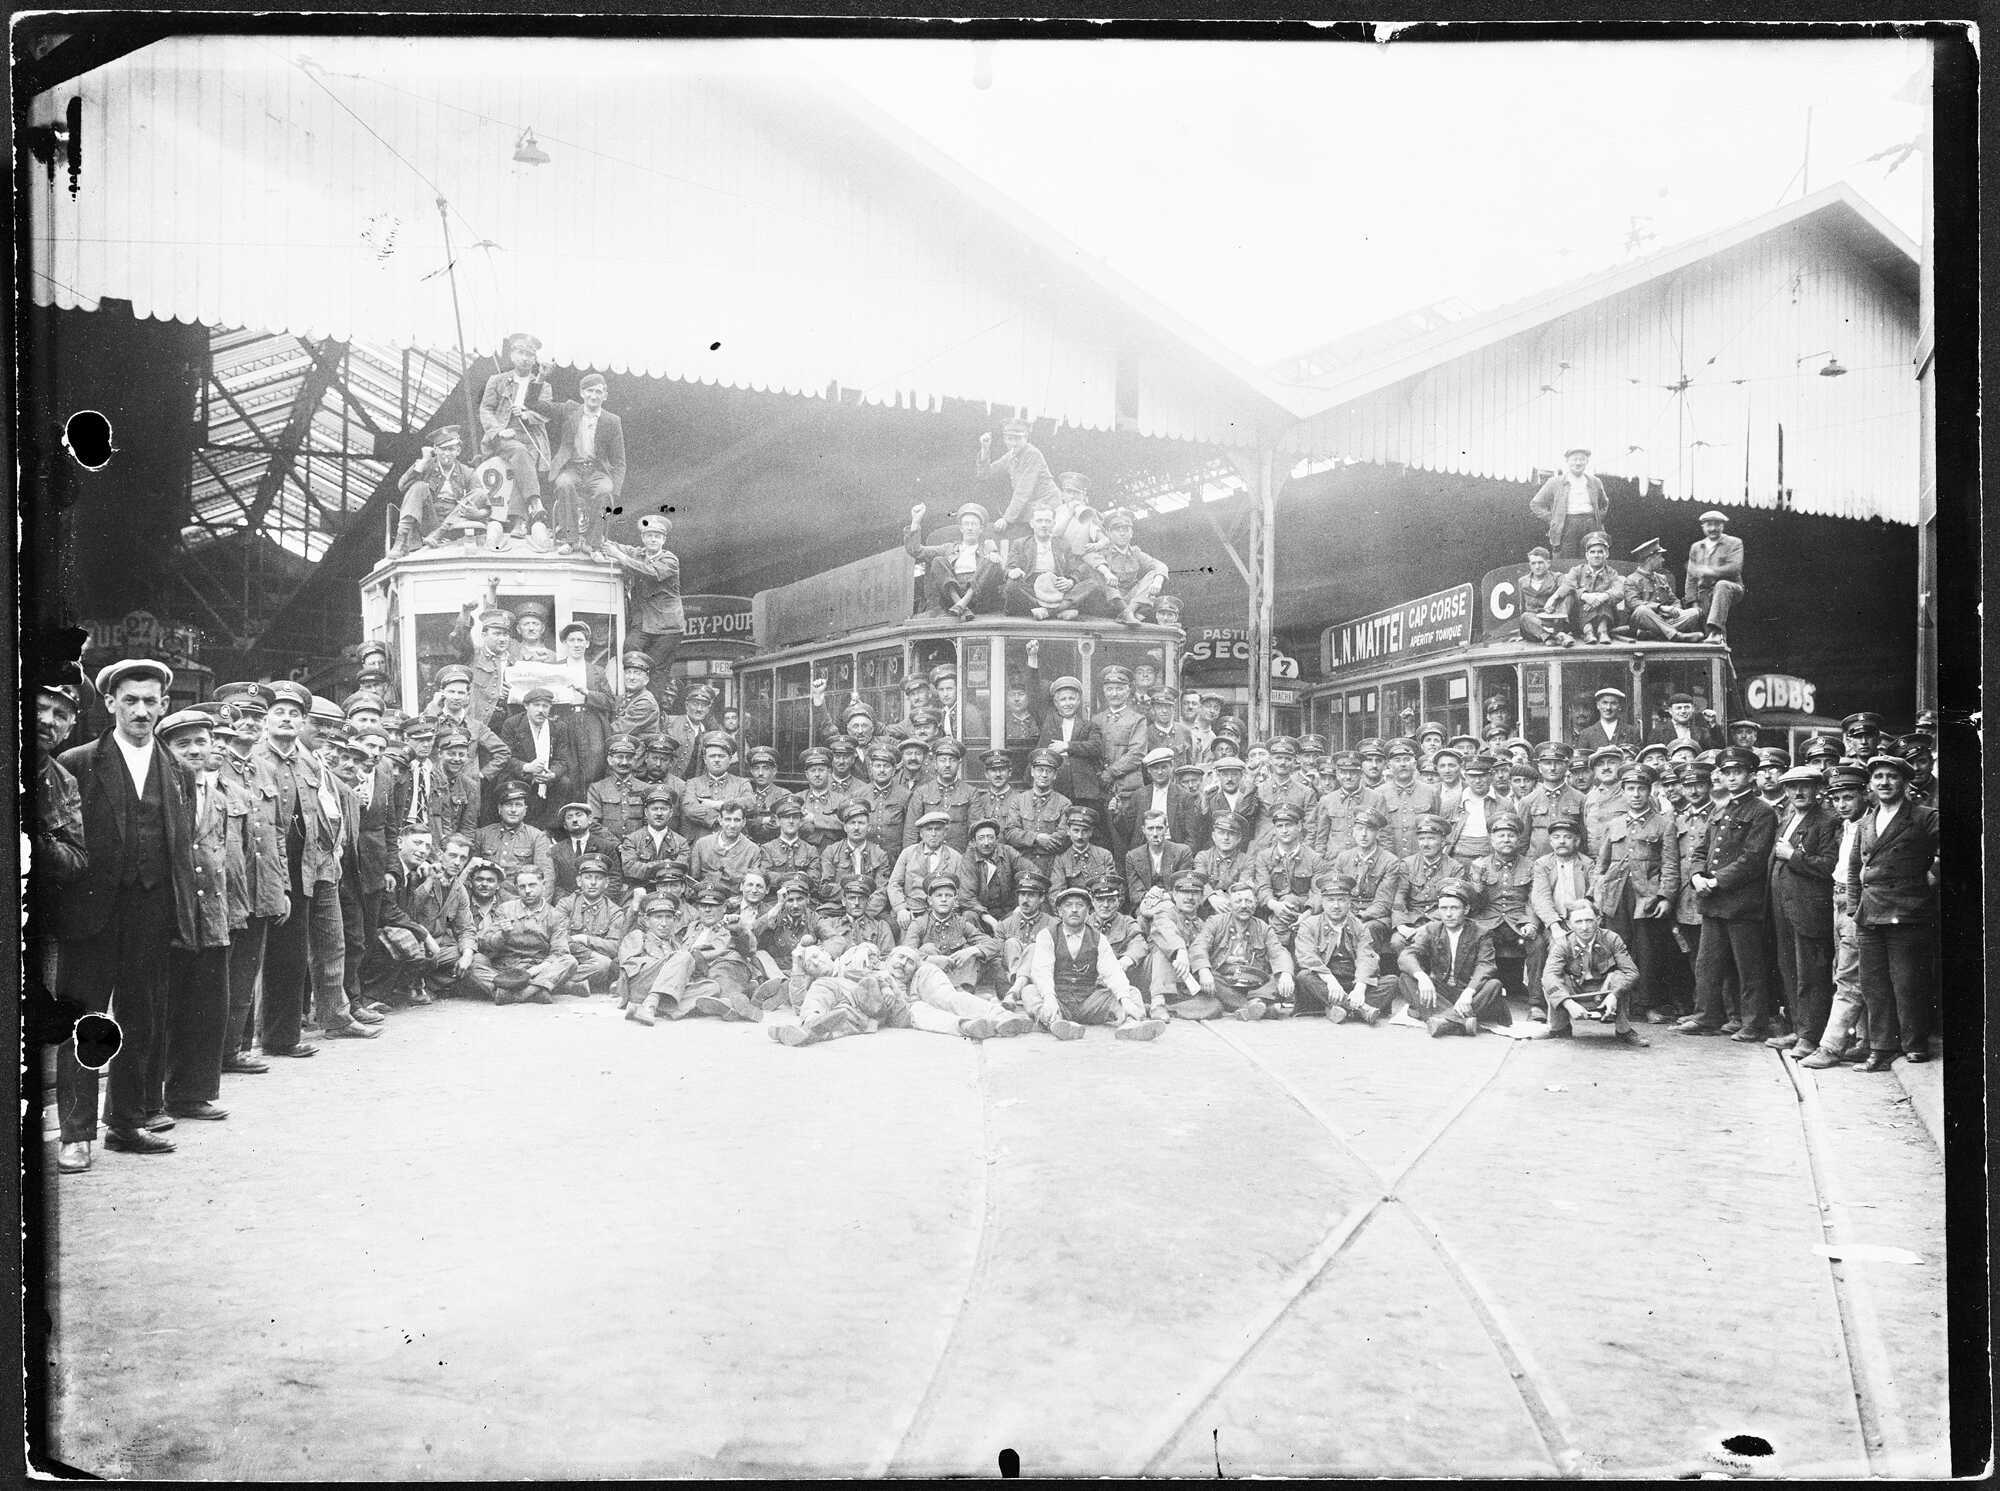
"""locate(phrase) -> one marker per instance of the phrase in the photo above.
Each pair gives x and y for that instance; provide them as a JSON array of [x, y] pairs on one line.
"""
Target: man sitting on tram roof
[[441, 499], [1132, 577], [1594, 590], [513, 418], [962, 578], [1044, 575], [1022, 465], [1544, 618], [589, 465]]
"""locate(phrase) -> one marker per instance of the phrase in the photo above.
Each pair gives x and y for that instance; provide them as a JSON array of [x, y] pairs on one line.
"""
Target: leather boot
[[406, 536]]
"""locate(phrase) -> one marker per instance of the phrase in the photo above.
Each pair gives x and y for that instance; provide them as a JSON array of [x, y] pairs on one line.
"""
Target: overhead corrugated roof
[[250, 396]]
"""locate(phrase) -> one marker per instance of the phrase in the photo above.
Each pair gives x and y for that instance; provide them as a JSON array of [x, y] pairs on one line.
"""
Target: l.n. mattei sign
[[1430, 623]]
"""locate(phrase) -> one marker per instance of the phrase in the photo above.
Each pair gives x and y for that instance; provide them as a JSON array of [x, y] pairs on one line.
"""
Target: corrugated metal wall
[[1605, 376], [699, 219]]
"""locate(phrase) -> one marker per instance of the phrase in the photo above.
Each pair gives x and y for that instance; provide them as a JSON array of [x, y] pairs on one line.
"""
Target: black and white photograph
[[1373, 629]]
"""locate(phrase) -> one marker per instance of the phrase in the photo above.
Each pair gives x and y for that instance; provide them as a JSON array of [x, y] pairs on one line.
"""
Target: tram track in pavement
[[1878, 1410], [1150, 1449]]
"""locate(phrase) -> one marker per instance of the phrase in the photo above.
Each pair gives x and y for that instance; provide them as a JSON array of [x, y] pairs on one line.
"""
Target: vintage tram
[[1457, 658]]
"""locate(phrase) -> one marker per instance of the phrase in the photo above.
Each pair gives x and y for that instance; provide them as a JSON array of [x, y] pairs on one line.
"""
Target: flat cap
[[1067, 681], [1605, 753], [1713, 516], [1229, 762], [1608, 691], [112, 674], [1158, 755], [579, 807], [1892, 763], [936, 817], [1803, 776], [539, 695], [1071, 893], [182, 720]]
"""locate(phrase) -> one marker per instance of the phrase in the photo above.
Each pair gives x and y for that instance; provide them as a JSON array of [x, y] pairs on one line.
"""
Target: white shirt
[[1475, 815], [539, 734], [522, 383], [138, 761], [1850, 832], [1068, 727], [1579, 497], [1883, 813], [1566, 881], [1042, 962], [1045, 557], [1159, 802], [1451, 954], [586, 436], [966, 561]]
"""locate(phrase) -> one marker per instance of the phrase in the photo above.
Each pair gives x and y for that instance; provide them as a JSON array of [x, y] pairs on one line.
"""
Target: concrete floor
[[546, 1243]]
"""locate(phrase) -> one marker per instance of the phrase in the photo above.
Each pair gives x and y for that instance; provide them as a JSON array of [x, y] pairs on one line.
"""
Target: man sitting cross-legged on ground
[[1170, 921], [1336, 957], [1448, 972], [709, 974], [524, 951], [1242, 967], [1074, 978], [1589, 975]]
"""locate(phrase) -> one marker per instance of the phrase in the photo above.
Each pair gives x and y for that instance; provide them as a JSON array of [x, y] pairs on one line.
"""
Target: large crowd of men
[[314, 868]]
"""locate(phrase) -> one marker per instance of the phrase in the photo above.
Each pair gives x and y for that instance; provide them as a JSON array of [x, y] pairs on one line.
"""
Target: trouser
[[549, 973], [583, 493], [187, 1064], [1582, 617], [311, 937], [1731, 945], [520, 459], [1591, 996], [1140, 594], [1482, 1000], [660, 647], [1538, 626], [1099, 1006], [355, 935], [246, 972], [1226, 1000], [1567, 549], [684, 978], [960, 1004], [1532, 951], [1805, 970], [1660, 622], [426, 509], [595, 971], [1084, 595], [1895, 985], [944, 586], [122, 970], [1848, 1017], [1716, 601], [1315, 995], [1649, 940]]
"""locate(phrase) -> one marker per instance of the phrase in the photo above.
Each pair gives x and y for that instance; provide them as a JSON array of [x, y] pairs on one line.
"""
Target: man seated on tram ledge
[[1449, 975], [1544, 617], [1132, 577], [589, 466], [442, 500], [514, 417], [1074, 979], [1589, 975], [1594, 591], [1044, 576], [961, 579]]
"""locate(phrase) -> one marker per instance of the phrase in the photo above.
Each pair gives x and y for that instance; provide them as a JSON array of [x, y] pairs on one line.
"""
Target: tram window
[[1359, 723], [878, 682], [975, 697], [1054, 658], [1535, 701], [602, 657], [1446, 702], [547, 640], [1144, 659], [392, 639], [1580, 682], [440, 643], [1663, 678], [793, 728], [756, 696], [1400, 705], [837, 672], [1497, 704]]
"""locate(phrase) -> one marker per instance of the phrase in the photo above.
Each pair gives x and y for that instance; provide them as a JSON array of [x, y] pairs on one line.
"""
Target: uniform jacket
[[1542, 807], [320, 862], [1603, 965], [595, 928], [1140, 876], [219, 840], [1551, 504], [502, 936], [949, 933], [1080, 778], [1802, 886], [1084, 868], [1888, 874], [888, 811], [1332, 823], [1245, 953], [1417, 888], [1285, 872], [1124, 732], [1378, 878], [621, 806], [990, 879], [652, 589], [267, 876], [1690, 830], [1341, 949], [489, 751], [836, 863], [1737, 852], [1403, 806], [88, 903], [641, 862], [1428, 952], [708, 855], [1029, 815], [1542, 894], [512, 848], [1505, 893], [609, 444], [1638, 863], [701, 806], [931, 797], [1250, 808]]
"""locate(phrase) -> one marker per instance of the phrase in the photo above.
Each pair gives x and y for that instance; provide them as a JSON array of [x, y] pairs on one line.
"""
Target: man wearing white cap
[[1611, 727], [654, 615], [1714, 578], [116, 920], [1572, 503], [959, 578], [1074, 979]]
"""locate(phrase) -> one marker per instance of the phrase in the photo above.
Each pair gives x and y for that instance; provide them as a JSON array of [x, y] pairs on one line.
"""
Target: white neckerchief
[[138, 761]]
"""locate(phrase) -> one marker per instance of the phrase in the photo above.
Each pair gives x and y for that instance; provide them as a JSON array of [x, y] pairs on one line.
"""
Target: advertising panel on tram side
[[1430, 623]]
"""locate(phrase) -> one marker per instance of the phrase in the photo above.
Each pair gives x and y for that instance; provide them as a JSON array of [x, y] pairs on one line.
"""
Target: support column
[[1258, 468]]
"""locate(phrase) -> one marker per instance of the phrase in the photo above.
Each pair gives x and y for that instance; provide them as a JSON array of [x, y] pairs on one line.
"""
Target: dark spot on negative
[[1747, 1444], [97, 1040], [715, 346], [1010, 1465], [87, 437]]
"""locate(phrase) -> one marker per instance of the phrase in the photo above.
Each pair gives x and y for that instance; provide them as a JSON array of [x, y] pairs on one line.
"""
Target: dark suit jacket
[[496, 404], [610, 442], [598, 842], [1139, 874], [1802, 886], [562, 757], [1888, 877], [88, 904], [1427, 951], [381, 821], [1187, 823], [1706, 565], [1596, 736], [1081, 776], [1737, 852], [1707, 737], [1250, 810], [1020, 555]]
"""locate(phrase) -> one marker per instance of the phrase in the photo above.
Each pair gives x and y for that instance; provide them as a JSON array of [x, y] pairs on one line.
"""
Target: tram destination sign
[[1430, 623]]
